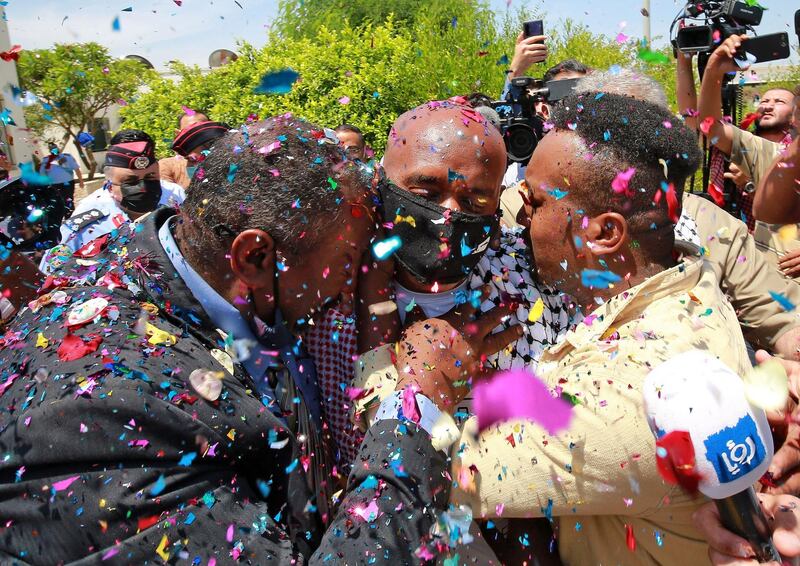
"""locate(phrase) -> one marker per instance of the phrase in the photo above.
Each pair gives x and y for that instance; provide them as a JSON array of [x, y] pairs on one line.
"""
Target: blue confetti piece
[[503, 60], [128, 9], [187, 459], [383, 249], [159, 486], [397, 467], [115, 24], [291, 467], [454, 22], [189, 518], [35, 216], [232, 172], [598, 279], [263, 488], [370, 483], [782, 301], [465, 249], [599, 95], [557, 194], [31, 177], [277, 82], [455, 176], [6, 118]]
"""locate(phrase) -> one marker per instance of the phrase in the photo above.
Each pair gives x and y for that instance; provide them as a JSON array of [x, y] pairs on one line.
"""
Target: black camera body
[[723, 18], [521, 127]]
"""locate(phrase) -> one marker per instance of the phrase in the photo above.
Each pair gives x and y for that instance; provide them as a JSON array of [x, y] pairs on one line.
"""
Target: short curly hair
[[621, 132], [283, 175]]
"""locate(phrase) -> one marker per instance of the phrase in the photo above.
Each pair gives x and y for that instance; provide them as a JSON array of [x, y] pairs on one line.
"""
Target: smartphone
[[532, 28], [797, 24], [768, 47]]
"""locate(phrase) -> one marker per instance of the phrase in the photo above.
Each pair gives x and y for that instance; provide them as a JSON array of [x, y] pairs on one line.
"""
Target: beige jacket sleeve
[[753, 154], [745, 275]]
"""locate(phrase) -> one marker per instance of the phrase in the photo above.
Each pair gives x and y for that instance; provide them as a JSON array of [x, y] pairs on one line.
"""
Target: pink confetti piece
[[410, 408], [344, 100], [271, 148], [518, 394], [705, 126], [64, 484], [368, 513], [229, 534], [622, 181], [354, 393], [621, 38], [113, 551]]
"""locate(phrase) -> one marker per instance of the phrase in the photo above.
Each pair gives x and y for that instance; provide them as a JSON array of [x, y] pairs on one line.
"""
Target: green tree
[[76, 84], [384, 64], [382, 69]]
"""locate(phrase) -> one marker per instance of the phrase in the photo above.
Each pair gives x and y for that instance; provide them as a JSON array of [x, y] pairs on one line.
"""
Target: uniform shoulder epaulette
[[79, 221]]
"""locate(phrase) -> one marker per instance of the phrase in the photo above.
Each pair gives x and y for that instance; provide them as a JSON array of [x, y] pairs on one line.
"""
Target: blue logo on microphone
[[736, 450]]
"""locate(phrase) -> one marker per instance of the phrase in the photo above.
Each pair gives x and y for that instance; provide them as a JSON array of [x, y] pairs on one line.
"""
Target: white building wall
[[20, 141]]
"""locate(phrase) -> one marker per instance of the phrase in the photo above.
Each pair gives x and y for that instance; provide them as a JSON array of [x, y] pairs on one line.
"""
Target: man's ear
[[606, 233], [252, 258]]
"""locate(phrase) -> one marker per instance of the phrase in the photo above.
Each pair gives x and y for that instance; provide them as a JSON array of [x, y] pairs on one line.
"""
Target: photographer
[[776, 199], [751, 154], [511, 200]]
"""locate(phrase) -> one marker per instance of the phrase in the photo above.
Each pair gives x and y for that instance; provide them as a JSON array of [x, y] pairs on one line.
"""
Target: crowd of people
[[262, 350]]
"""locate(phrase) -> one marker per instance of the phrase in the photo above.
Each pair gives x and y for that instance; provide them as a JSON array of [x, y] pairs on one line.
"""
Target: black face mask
[[467, 236], [141, 197]]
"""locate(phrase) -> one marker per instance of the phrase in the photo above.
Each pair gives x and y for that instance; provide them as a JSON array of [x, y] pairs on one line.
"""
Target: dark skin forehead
[[427, 144], [559, 158]]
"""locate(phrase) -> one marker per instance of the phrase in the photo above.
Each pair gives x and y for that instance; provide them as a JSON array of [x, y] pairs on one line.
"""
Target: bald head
[[449, 154]]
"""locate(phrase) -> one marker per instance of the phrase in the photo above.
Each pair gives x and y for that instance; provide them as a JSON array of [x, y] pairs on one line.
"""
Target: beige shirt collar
[[682, 277]]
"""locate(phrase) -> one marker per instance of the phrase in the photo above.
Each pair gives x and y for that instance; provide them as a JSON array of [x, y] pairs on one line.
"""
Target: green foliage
[[383, 69], [74, 83], [385, 57], [303, 18]]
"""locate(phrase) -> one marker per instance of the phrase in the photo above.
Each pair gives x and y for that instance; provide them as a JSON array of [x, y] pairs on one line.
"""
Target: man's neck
[[644, 271], [773, 135], [217, 278]]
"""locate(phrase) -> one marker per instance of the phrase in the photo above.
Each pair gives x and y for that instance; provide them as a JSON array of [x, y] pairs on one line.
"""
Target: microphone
[[697, 394]]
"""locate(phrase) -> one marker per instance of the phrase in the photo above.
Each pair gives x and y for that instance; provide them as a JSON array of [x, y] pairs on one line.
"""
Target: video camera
[[522, 128], [719, 19]]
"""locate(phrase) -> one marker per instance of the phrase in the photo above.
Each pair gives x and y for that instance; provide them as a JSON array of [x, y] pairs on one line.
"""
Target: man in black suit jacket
[[155, 405]]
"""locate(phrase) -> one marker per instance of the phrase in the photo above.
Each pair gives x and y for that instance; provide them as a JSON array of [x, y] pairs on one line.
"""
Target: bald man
[[446, 164]]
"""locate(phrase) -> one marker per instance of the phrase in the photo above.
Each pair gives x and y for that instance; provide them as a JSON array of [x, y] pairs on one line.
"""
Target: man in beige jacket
[[598, 480]]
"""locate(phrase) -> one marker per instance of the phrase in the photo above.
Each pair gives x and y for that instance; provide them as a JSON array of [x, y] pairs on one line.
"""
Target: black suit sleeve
[[397, 487]]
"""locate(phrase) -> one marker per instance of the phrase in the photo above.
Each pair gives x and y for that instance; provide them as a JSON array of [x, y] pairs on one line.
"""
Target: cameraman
[[511, 199], [751, 154]]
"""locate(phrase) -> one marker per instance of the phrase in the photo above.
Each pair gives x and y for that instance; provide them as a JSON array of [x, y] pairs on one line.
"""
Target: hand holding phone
[[764, 48], [530, 48]]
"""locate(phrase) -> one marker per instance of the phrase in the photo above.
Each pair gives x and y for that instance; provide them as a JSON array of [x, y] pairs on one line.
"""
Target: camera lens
[[521, 140]]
